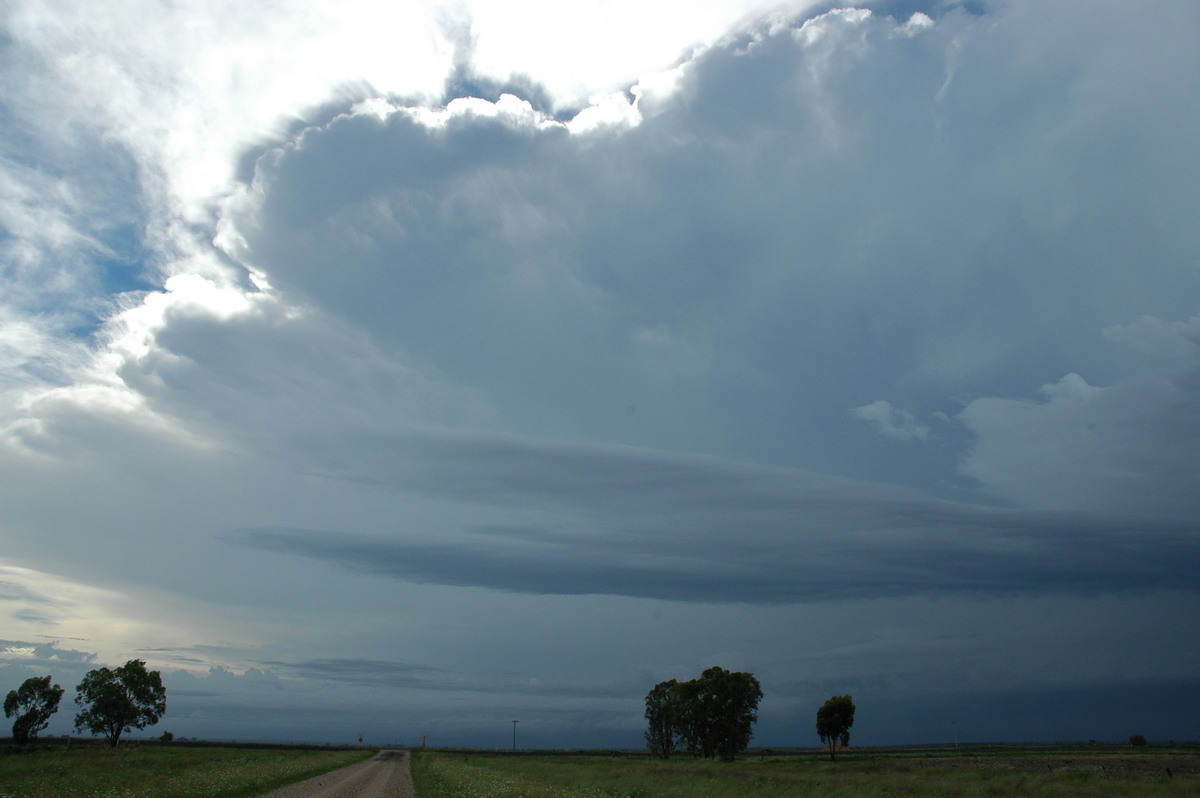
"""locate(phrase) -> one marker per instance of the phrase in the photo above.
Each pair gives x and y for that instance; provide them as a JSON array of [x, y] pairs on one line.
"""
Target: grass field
[[161, 771], [1107, 775], [183, 772]]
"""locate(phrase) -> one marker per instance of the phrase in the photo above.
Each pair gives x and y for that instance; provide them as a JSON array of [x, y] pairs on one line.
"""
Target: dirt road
[[385, 776]]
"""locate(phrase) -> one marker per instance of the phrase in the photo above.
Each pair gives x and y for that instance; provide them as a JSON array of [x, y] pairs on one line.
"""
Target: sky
[[401, 371]]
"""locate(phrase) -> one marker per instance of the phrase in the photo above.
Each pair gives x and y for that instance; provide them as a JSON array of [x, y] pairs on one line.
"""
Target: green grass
[[161, 771], [445, 775]]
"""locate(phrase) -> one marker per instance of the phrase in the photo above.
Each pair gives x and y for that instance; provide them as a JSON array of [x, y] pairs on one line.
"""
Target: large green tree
[[32, 703], [113, 701], [712, 715], [834, 719]]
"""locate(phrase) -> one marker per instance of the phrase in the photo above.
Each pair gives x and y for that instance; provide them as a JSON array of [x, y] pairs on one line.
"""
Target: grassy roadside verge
[[457, 775], [163, 771]]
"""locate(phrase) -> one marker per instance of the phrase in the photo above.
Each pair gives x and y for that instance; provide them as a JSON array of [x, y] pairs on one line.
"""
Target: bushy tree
[[739, 713], [711, 716], [719, 710], [834, 719], [118, 700], [693, 728], [663, 716], [32, 703]]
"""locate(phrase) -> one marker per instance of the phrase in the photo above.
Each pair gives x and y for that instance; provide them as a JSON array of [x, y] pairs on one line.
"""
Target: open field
[[170, 771], [167, 771], [1061, 772]]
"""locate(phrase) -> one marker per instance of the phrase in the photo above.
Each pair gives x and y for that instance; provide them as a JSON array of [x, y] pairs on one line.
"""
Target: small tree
[[118, 700], [834, 719], [33, 703]]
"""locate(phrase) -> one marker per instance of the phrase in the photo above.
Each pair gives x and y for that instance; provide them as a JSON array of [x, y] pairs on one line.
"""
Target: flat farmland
[[1012, 772], [182, 772], [162, 771]]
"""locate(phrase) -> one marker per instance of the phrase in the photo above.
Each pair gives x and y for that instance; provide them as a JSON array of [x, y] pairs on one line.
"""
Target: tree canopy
[[834, 719], [711, 716], [663, 716], [32, 703], [113, 701]]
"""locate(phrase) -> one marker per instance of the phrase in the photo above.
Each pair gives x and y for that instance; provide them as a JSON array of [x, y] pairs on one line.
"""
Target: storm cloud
[[856, 347], [684, 530]]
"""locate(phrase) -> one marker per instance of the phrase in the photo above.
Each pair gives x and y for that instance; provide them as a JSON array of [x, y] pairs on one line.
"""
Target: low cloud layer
[[505, 560], [643, 525]]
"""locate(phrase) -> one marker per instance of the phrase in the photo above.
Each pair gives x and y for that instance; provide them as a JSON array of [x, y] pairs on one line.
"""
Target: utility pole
[[954, 723], [515, 735]]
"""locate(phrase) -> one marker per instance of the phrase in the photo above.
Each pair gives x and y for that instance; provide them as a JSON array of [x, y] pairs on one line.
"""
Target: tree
[[834, 719], [115, 701], [712, 715], [33, 703], [693, 724], [729, 707], [663, 715]]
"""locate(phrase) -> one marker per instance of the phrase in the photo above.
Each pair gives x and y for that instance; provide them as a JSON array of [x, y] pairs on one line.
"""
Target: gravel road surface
[[385, 776]]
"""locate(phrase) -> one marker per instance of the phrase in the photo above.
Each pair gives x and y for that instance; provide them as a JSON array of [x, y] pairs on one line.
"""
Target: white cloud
[[186, 86], [613, 110], [1122, 449], [1178, 341], [822, 27], [112, 624], [577, 49], [916, 24], [891, 421]]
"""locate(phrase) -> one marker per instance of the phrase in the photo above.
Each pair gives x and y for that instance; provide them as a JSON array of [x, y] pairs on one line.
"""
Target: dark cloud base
[[647, 524], [358, 671], [1081, 562]]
